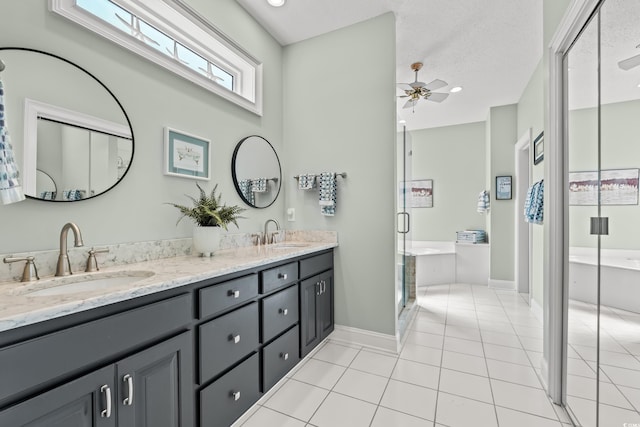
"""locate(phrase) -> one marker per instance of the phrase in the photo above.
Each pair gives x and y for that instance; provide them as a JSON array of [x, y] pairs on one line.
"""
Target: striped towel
[[484, 202], [10, 189]]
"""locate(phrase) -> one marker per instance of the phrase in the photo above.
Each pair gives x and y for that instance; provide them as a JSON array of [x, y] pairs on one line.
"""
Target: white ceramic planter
[[206, 240]]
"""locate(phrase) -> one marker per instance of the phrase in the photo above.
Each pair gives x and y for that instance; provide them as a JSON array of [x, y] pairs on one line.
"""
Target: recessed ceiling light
[[276, 3], [456, 89]]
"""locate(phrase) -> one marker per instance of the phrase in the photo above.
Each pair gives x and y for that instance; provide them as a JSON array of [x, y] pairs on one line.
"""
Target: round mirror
[[256, 172], [71, 131]]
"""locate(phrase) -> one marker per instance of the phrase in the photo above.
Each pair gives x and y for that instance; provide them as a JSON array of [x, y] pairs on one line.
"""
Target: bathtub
[[619, 277], [440, 263]]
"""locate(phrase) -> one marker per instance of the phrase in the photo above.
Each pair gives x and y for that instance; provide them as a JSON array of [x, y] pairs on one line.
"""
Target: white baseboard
[[536, 308], [507, 285], [365, 338], [544, 373]]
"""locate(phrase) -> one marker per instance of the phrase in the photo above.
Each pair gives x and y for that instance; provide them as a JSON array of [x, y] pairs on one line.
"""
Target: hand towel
[[259, 185], [245, 189], [328, 193], [484, 202], [534, 204], [306, 181], [10, 188]]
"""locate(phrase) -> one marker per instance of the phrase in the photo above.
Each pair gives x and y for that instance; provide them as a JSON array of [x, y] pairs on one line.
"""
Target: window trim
[[180, 22]]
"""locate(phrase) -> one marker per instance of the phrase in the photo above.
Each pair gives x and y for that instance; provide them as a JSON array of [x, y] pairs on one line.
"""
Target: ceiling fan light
[[276, 3], [456, 89]]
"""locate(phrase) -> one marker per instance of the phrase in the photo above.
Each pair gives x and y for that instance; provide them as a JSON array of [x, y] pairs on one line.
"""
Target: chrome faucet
[[64, 265], [265, 236]]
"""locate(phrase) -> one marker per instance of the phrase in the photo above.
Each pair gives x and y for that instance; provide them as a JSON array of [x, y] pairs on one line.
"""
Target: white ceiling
[[489, 47]]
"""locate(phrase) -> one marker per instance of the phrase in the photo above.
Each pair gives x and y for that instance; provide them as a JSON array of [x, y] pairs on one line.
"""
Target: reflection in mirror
[[256, 172], [66, 125]]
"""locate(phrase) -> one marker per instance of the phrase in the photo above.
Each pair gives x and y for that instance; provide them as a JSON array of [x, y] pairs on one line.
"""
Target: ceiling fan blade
[[630, 63], [437, 97], [405, 87], [410, 103], [436, 84]]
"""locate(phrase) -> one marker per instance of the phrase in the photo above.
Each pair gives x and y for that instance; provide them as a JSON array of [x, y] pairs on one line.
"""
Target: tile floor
[[470, 358]]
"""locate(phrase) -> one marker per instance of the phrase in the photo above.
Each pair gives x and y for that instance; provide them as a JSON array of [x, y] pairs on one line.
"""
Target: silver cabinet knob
[[234, 294], [106, 412], [284, 356], [128, 380], [283, 276], [235, 395], [284, 311], [234, 338]]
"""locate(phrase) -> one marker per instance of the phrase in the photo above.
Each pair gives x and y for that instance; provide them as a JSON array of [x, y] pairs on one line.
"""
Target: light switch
[[291, 214]]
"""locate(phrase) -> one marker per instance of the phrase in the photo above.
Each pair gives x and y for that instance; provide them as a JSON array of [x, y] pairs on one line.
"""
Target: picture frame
[[504, 187], [538, 149], [418, 193], [619, 187], [186, 155]]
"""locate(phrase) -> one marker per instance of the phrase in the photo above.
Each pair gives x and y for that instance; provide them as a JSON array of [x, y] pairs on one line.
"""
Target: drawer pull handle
[[235, 294], [234, 338], [106, 390], [319, 288], [284, 311], [235, 395], [128, 379], [285, 356], [283, 276]]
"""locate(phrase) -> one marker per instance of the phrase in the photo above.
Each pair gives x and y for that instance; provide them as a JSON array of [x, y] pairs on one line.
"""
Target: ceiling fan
[[630, 63], [416, 90]]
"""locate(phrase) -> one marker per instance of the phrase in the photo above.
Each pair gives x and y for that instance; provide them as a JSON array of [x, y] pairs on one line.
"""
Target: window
[[174, 36]]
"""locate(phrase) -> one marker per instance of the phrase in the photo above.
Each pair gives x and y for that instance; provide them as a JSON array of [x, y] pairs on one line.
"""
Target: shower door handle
[[407, 222]]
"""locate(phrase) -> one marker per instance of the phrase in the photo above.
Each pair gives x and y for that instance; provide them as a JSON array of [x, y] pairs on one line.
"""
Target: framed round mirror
[[256, 172], [66, 125]]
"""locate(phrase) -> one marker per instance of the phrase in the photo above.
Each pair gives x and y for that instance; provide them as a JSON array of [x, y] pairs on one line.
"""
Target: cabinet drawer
[[316, 264], [279, 357], [220, 297], [227, 339], [277, 277], [54, 355], [279, 311], [225, 400]]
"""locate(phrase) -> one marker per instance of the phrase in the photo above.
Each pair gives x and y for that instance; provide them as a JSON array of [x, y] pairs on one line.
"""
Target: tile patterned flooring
[[471, 358]]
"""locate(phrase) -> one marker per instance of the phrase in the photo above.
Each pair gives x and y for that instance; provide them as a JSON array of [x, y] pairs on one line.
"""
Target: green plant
[[208, 210]]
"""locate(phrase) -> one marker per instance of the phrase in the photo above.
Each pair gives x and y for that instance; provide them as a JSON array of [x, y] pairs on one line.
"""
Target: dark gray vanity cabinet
[[316, 302]]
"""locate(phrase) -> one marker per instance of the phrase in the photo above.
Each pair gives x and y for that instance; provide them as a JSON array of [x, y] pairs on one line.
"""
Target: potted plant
[[209, 216]]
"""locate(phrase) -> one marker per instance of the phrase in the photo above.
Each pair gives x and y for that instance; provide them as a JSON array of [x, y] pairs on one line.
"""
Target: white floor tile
[[296, 399], [632, 394], [374, 363], [506, 354], [421, 354], [463, 332], [456, 411], [389, 418], [336, 353], [526, 399], [343, 411], [513, 373], [532, 344], [467, 385], [416, 373], [509, 417], [473, 348], [502, 327], [410, 399], [425, 339], [465, 363], [423, 325], [265, 417], [614, 416], [361, 385], [498, 338], [621, 376], [319, 373]]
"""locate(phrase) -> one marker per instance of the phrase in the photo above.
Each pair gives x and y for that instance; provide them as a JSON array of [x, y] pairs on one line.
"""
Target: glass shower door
[[405, 263]]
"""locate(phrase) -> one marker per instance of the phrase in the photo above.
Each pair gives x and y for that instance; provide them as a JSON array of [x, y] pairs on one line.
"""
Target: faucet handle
[[92, 262], [30, 272]]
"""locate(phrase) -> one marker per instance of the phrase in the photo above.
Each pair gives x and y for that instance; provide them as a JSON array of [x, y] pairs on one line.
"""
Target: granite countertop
[[19, 308]]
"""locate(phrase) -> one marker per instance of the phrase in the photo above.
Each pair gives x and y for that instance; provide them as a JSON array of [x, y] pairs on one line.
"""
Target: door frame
[[523, 232], [556, 229]]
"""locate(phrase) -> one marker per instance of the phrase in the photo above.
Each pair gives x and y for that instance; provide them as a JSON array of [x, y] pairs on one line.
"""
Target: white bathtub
[[439, 263], [619, 277]]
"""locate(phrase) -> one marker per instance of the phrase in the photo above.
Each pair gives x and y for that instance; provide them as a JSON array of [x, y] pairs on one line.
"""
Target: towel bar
[[342, 174]]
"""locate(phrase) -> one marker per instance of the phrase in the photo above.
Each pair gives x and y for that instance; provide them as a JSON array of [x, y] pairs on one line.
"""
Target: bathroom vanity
[[196, 344]]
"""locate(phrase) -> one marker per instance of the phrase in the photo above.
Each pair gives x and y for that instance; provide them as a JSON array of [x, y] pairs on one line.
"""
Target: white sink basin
[[84, 283]]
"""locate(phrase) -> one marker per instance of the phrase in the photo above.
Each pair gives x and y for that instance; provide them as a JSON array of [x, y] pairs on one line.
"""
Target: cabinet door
[[88, 401], [155, 386], [325, 304], [309, 330]]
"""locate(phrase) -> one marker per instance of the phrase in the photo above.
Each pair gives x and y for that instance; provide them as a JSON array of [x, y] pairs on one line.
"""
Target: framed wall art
[[617, 187], [186, 155], [419, 193], [538, 149], [503, 187]]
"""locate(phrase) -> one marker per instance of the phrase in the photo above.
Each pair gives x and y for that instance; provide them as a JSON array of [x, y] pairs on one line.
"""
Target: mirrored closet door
[[602, 72]]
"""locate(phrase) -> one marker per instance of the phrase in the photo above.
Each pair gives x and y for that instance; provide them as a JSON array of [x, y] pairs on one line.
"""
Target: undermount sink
[[83, 283], [286, 245]]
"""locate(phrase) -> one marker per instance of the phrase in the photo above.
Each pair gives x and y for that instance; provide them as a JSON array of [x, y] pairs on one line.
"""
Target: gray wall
[[454, 157], [332, 126], [153, 98]]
